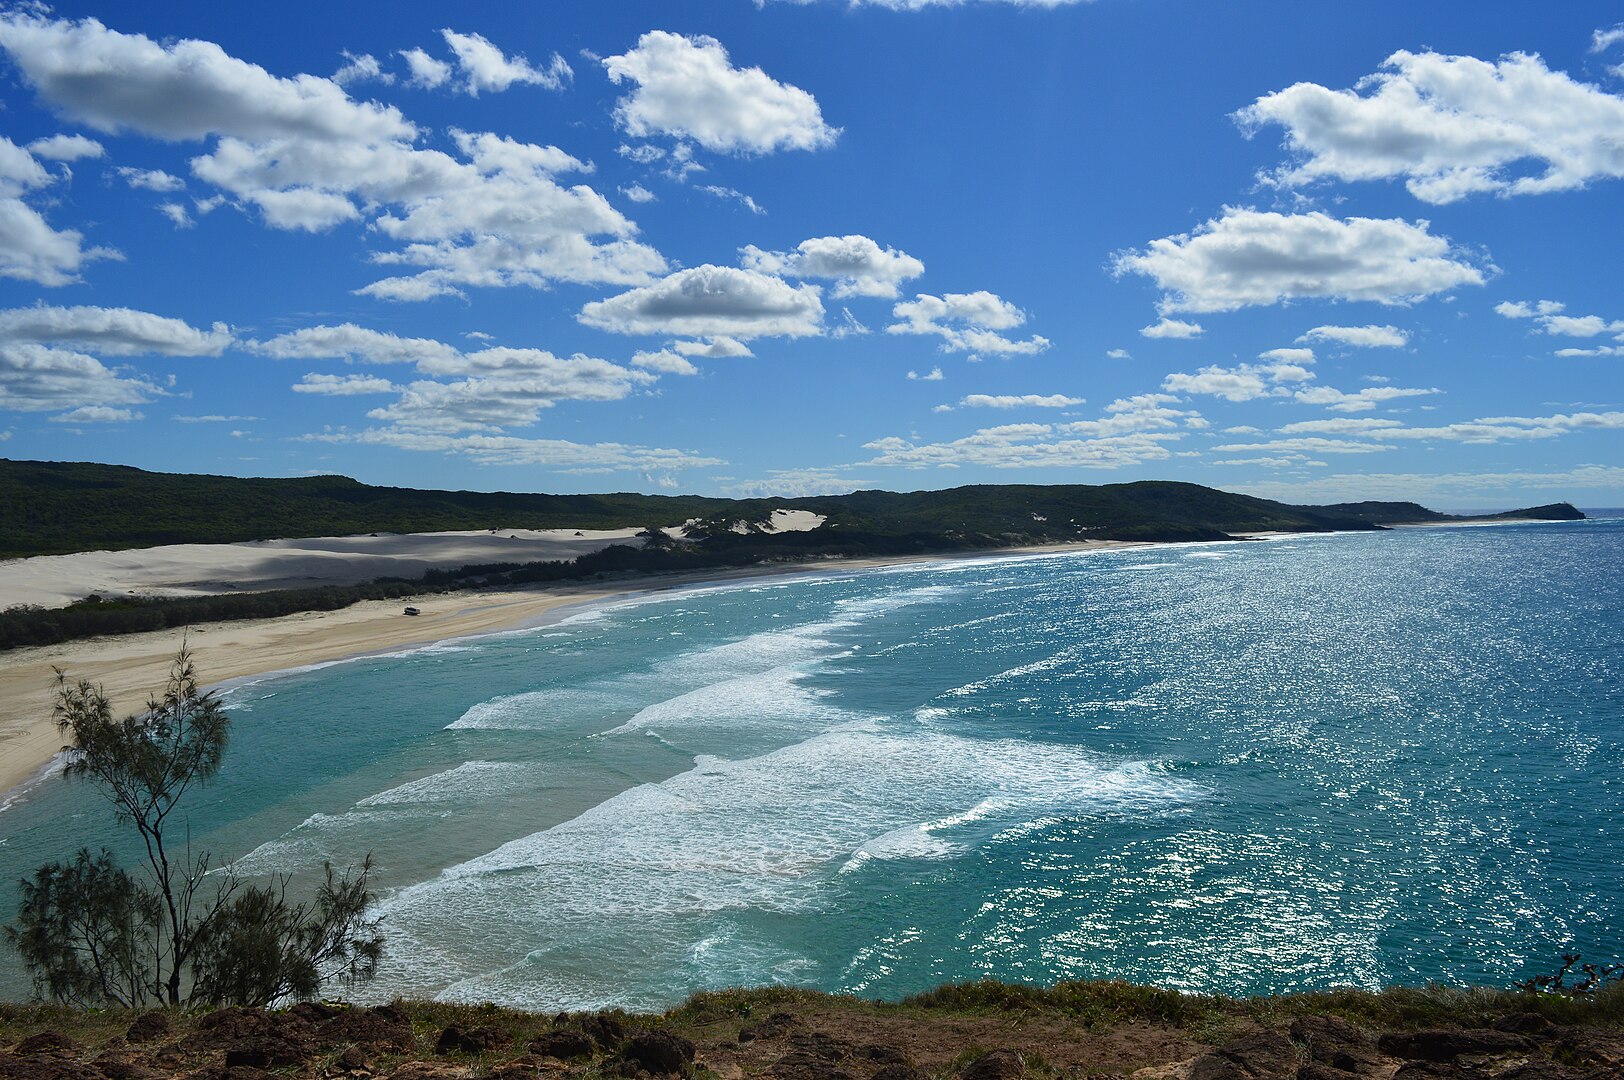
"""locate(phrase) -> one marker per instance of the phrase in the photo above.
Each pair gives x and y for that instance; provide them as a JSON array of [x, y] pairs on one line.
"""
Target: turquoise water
[[1357, 759]]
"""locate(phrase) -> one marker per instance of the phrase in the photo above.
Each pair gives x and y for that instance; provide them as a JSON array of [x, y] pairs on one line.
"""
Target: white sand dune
[[202, 569]]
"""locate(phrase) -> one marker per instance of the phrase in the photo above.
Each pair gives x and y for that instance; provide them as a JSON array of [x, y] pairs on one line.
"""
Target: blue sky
[[1307, 251]]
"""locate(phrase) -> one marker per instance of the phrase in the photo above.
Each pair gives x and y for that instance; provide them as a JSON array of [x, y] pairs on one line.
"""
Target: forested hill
[[60, 507]]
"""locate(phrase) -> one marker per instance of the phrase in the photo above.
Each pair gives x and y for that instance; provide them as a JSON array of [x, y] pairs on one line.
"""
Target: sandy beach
[[131, 667]]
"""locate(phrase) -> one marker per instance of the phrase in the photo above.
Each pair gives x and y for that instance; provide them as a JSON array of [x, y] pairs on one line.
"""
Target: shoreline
[[130, 667]]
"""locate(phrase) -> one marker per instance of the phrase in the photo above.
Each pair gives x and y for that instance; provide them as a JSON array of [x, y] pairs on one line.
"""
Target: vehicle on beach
[[413, 611]]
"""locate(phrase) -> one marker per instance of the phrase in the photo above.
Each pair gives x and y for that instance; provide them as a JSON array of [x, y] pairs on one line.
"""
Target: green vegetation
[[94, 934]]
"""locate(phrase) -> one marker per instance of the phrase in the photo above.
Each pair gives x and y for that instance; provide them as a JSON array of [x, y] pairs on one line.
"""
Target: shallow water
[[1357, 759]]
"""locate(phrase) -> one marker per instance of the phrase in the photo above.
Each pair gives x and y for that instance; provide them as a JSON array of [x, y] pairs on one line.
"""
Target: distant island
[[62, 508]]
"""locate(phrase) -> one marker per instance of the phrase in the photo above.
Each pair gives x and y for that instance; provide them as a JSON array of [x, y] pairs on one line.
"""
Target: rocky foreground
[[982, 1031]]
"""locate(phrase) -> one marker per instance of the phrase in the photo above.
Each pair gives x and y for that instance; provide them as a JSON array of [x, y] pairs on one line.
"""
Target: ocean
[[1314, 761]]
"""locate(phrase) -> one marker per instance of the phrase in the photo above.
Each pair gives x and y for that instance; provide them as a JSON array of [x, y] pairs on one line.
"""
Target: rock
[[460, 1040], [46, 1042], [661, 1052], [43, 1067], [1447, 1044], [802, 1065], [1332, 1041], [353, 1060], [376, 1029], [885, 1055], [821, 1045], [898, 1072], [314, 1012], [115, 1067], [147, 1027], [603, 1029], [1266, 1055], [995, 1065], [1588, 1047], [1523, 1023], [563, 1044], [226, 1028], [515, 1070], [429, 1070], [775, 1026], [278, 1051]]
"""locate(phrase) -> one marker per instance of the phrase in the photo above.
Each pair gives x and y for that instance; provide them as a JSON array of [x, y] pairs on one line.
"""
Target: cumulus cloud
[[1362, 337], [1360, 400], [733, 194], [343, 385], [1172, 328], [187, 90], [687, 87], [363, 67], [665, 362], [558, 455], [39, 378], [307, 157], [426, 72], [485, 67], [966, 322], [1288, 356], [1523, 309], [933, 375], [30, 250], [1019, 401], [66, 148], [97, 414], [719, 347], [1602, 40], [707, 301], [1446, 489], [1449, 126], [1251, 258], [1548, 316], [111, 331], [151, 179], [795, 483], [857, 265], [348, 341], [637, 193]]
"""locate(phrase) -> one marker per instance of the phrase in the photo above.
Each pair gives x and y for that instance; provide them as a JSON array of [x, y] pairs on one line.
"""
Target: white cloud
[[1172, 328], [1119, 354], [177, 214], [1244, 383], [933, 375], [1450, 126], [187, 90], [214, 418], [665, 362], [363, 67], [1018, 401], [151, 179], [1359, 401], [1601, 350], [717, 348], [30, 250], [97, 414], [1297, 357], [1025, 446], [307, 157], [717, 191], [66, 148], [38, 378], [686, 87], [1602, 40], [347, 341], [1307, 445], [111, 331], [505, 388], [966, 322], [1448, 489], [857, 265], [637, 193], [426, 72], [1523, 309], [1362, 337], [486, 68], [1251, 258], [795, 483], [706, 301], [1341, 425], [343, 385], [558, 455], [1580, 326]]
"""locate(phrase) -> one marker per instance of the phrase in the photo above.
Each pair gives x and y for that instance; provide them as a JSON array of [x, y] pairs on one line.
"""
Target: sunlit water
[[1359, 759]]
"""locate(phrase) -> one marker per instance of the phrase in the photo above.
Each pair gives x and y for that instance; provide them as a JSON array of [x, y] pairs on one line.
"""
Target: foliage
[[95, 934]]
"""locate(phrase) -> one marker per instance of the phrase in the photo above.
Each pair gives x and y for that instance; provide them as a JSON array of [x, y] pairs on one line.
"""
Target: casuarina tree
[[169, 932]]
